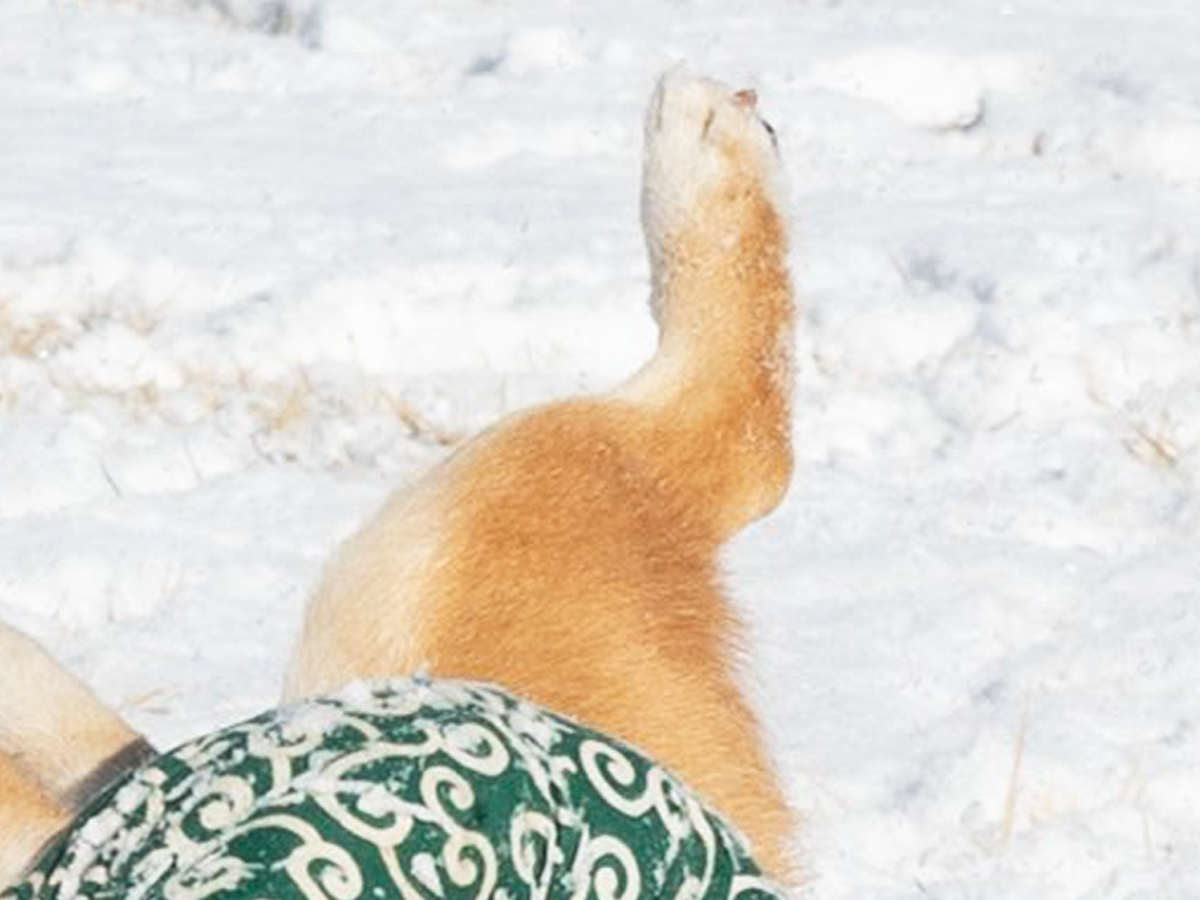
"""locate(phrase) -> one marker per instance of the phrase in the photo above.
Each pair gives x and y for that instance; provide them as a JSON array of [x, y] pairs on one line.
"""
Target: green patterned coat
[[404, 790]]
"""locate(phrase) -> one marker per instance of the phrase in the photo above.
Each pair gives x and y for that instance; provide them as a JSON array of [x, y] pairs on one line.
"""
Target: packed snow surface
[[261, 261]]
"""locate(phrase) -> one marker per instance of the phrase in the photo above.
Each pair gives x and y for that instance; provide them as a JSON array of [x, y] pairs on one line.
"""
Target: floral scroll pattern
[[400, 790]]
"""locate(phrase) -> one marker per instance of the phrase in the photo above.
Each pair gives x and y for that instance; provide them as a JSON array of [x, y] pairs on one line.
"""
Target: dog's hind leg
[[28, 820], [55, 728]]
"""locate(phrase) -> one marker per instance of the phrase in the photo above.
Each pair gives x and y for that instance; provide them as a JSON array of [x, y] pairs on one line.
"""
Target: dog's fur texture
[[570, 553], [28, 819], [56, 739]]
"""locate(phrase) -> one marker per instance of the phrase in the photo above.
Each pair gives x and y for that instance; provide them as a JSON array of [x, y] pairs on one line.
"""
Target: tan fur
[[54, 734], [571, 552], [28, 819], [51, 724]]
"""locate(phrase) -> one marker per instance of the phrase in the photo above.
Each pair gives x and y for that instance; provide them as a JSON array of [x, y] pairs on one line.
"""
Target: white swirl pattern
[[405, 790], [533, 837]]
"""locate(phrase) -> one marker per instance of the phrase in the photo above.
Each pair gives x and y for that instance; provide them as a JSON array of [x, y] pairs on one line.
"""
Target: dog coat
[[400, 790]]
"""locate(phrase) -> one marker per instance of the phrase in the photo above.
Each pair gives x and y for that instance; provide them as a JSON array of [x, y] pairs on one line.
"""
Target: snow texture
[[261, 262]]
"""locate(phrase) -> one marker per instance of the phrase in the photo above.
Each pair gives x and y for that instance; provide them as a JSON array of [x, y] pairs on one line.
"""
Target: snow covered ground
[[263, 260]]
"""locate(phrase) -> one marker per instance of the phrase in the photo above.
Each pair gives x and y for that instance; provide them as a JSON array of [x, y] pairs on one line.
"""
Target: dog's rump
[[401, 790]]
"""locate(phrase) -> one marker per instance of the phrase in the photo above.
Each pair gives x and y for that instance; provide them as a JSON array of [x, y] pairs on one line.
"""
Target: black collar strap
[[124, 760]]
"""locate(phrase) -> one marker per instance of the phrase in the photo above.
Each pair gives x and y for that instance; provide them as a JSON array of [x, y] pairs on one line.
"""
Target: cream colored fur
[[49, 720], [570, 553], [54, 733], [28, 819]]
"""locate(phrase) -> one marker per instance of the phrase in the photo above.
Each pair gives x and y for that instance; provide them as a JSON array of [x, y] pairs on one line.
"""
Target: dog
[[569, 554]]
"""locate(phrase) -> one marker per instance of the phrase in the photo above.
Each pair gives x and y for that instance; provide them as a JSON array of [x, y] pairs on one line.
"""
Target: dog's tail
[[59, 745]]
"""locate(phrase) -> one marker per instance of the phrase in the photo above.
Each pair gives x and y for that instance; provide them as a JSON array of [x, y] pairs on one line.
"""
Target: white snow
[[261, 261], [923, 89]]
